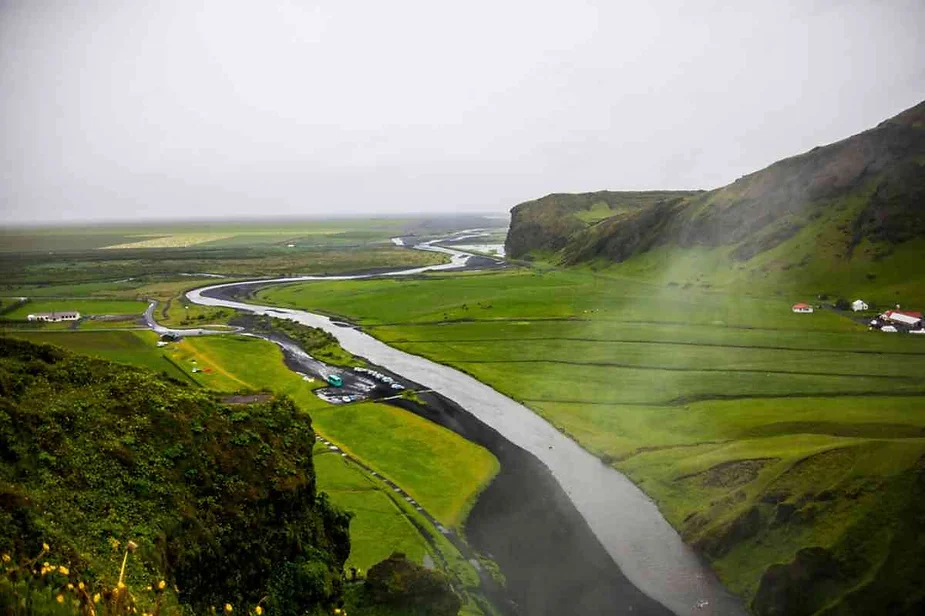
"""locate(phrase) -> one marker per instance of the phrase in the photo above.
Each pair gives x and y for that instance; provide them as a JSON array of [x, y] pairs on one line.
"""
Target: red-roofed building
[[904, 317], [802, 308]]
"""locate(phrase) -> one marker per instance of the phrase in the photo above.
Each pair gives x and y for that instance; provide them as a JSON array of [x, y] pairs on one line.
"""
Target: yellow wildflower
[[46, 565], [60, 598], [6, 558], [64, 570], [228, 608], [70, 586], [161, 585], [258, 610], [45, 547], [96, 598]]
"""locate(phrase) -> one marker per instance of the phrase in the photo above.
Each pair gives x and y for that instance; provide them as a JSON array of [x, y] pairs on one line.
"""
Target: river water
[[648, 551]]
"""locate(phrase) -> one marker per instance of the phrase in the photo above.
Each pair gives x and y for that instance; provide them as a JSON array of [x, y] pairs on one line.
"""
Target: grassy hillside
[[844, 217], [220, 500], [760, 433]]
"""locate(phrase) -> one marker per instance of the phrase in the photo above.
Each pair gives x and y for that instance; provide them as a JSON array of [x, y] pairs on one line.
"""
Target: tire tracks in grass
[[198, 353]]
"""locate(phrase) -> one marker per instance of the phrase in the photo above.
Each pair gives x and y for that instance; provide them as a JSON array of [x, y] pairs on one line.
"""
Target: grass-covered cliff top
[[219, 499]]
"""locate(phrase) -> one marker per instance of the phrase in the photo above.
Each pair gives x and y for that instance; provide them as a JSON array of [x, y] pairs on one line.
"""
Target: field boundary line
[[681, 369], [654, 342]]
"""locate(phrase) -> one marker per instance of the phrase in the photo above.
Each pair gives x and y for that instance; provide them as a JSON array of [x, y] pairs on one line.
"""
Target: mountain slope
[[869, 188]]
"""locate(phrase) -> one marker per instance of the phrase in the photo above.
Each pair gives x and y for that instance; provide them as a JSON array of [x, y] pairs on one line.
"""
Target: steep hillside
[[861, 198], [548, 223], [220, 500]]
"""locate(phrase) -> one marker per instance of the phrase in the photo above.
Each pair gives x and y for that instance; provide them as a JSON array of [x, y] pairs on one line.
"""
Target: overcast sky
[[122, 109]]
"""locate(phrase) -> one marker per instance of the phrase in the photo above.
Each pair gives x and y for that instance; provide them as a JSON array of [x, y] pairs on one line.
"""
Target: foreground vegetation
[[414, 453], [761, 433], [219, 501]]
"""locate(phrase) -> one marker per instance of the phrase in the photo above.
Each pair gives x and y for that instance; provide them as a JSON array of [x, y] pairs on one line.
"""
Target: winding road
[[629, 526]]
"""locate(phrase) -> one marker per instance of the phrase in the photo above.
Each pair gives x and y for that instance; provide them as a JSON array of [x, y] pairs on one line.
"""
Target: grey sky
[[165, 109]]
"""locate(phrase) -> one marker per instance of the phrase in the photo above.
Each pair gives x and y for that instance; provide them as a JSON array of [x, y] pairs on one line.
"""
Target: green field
[[379, 526], [136, 348], [722, 407], [86, 307]]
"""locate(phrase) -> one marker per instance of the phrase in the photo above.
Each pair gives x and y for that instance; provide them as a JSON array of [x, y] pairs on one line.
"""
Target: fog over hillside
[[125, 110]]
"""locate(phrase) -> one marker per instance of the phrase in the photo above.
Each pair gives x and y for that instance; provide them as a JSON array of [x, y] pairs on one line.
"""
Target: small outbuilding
[[802, 308], [859, 305]]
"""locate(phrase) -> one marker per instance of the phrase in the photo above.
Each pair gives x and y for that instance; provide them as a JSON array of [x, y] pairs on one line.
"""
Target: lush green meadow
[[723, 407], [136, 348], [379, 526], [86, 307]]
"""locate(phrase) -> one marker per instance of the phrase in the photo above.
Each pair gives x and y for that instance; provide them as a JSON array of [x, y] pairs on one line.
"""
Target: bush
[[398, 582], [307, 586]]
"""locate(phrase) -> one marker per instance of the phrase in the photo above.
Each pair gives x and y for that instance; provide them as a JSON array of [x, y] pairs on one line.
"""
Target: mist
[[133, 110]]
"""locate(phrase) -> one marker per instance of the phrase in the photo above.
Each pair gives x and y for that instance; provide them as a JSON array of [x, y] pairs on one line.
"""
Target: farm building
[[54, 317], [858, 305], [909, 319], [802, 308]]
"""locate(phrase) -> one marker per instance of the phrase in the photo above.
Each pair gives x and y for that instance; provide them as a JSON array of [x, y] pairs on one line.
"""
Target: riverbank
[[526, 523], [523, 520], [625, 522]]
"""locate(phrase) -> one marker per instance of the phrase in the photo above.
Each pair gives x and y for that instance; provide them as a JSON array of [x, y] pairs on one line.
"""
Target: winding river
[[648, 551]]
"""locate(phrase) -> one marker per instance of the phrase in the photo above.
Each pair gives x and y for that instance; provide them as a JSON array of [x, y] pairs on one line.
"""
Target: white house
[[858, 305], [54, 317], [802, 308]]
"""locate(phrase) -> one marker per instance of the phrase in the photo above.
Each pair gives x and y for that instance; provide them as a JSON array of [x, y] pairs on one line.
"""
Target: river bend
[[648, 551]]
